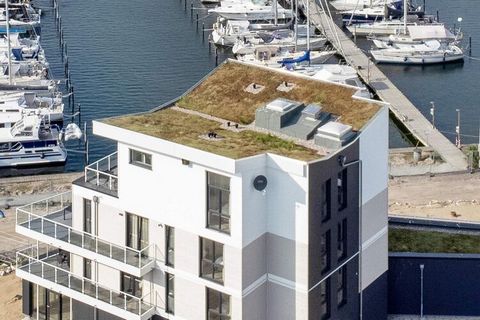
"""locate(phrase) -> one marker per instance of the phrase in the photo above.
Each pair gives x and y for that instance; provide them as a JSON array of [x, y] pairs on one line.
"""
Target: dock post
[[185, 7], [470, 45], [216, 56], [355, 33], [203, 31], [438, 17], [197, 22], [191, 11]]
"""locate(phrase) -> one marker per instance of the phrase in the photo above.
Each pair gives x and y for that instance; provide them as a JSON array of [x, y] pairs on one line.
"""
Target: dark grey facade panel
[[375, 299], [27, 306], [82, 311], [451, 284], [319, 172]]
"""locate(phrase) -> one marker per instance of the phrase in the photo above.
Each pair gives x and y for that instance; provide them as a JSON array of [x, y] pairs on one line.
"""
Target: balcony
[[102, 176], [46, 271], [50, 221]]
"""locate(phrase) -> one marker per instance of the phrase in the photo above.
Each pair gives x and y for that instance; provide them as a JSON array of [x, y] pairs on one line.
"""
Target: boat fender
[[42, 155], [405, 59], [444, 56], [423, 60]]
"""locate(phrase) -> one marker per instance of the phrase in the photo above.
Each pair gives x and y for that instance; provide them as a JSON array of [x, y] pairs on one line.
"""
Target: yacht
[[275, 58], [29, 140], [388, 27], [429, 52], [252, 12], [342, 5], [378, 13], [24, 102], [280, 38]]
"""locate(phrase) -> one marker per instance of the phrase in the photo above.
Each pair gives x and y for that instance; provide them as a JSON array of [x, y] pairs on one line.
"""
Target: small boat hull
[[416, 58]]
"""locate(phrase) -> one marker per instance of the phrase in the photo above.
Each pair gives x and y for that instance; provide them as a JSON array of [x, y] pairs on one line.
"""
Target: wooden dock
[[403, 109]]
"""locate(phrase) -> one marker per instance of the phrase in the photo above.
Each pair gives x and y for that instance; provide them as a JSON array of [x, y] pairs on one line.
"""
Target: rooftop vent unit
[[276, 114], [312, 111], [334, 135]]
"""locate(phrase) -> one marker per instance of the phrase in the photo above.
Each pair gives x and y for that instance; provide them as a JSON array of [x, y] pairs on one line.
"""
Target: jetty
[[399, 105]]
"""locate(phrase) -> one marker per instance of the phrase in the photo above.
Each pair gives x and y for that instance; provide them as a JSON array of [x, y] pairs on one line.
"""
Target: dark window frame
[[218, 213], [342, 235], [342, 286], [87, 268], [169, 292], [136, 284], [326, 200], [342, 194], [169, 246], [325, 255], [87, 219], [141, 242], [216, 267], [325, 299], [145, 162], [218, 314]]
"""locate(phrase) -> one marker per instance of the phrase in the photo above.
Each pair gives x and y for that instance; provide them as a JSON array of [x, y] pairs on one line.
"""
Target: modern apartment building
[[246, 198]]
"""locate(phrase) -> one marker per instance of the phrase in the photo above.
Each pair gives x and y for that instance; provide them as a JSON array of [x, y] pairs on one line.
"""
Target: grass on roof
[[406, 240], [186, 129], [222, 95]]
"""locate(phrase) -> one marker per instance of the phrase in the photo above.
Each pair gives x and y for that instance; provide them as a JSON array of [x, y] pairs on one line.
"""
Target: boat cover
[[429, 32]]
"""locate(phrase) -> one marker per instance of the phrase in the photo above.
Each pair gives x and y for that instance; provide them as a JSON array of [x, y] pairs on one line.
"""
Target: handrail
[[97, 286], [94, 168], [81, 238]]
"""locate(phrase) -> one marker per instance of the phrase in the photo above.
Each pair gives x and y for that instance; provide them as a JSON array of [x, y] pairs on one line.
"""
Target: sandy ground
[[454, 196], [10, 297]]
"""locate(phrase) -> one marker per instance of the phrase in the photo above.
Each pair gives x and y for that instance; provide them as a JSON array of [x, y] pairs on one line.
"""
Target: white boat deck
[[403, 109]]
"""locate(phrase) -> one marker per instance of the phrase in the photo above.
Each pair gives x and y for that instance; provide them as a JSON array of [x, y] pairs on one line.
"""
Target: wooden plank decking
[[403, 109]]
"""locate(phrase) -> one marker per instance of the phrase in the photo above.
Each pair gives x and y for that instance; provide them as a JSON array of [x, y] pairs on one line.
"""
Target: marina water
[[131, 56]]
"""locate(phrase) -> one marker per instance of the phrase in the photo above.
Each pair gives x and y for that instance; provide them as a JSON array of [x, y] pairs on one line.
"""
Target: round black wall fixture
[[260, 182]]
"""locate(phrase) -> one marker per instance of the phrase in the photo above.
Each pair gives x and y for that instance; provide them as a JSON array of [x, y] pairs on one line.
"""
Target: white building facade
[[161, 230]]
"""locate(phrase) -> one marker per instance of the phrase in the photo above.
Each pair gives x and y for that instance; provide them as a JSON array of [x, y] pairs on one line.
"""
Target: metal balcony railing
[[52, 217], [44, 268], [103, 174]]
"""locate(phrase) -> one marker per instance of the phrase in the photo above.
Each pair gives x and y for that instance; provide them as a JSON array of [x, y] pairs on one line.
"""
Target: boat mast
[[296, 25], [308, 25], [7, 23], [275, 11], [405, 14]]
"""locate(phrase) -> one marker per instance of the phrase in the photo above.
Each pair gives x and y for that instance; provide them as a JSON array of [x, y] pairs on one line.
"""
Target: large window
[[170, 293], [87, 215], [169, 246], [218, 202], [218, 305], [326, 200], [342, 189], [325, 252], [211, 264], [141, 159], [131, 284], [325, 299], [342, 239], [342, 286], [137, 232]]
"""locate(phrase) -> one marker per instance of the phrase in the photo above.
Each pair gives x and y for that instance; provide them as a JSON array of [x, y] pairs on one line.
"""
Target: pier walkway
[[403, 109]]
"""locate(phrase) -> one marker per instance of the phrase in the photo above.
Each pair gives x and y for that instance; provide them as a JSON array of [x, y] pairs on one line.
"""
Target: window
[[170, 293], [342, 286], [342, 189], [137, 232], [131, 284], [169, 246], [211, 264], [326, 196], [218, 202], [218, 305], [87, 215], [325, 299], [325, 252], [342, 239], [87, 268], [141, 159]]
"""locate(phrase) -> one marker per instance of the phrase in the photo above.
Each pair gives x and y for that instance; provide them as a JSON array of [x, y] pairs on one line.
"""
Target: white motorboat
[[30, 141], [284, 39], [252, 12], [273, 58], [416, 35], [342, 5], [226, 32], [30, 103], [387, 27], [429, 52]]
